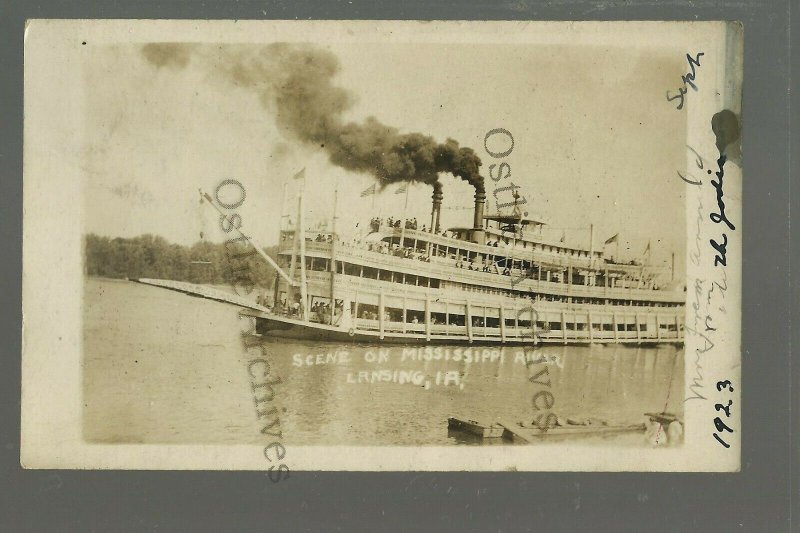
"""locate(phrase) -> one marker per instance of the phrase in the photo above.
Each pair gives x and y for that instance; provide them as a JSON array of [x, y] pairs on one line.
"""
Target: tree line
[[152, 256]]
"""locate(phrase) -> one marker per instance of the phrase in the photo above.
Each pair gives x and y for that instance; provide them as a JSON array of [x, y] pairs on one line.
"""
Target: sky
[[595, 142]]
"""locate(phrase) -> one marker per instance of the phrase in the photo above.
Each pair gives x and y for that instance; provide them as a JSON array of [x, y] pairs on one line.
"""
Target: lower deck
[[370, 331], [437, 315]]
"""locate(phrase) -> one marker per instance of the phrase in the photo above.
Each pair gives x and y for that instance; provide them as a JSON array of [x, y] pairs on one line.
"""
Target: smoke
[[296, 83]]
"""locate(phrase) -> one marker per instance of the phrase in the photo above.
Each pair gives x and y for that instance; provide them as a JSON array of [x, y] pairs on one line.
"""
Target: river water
[[163, 367]]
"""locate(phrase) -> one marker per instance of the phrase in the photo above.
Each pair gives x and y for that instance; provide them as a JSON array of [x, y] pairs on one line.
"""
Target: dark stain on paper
[[726, 127]]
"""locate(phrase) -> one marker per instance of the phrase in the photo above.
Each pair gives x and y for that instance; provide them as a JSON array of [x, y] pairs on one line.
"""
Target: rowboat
[[486, 431], [528, 433]]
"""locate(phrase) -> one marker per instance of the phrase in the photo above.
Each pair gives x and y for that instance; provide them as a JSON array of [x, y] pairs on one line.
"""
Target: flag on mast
[[300, 175], [614, 238], [405, 208], [647, 250], [402, 189], [368, 191], [563, 235]]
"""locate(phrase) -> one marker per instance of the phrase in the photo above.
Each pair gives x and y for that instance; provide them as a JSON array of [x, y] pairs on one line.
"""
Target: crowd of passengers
[[319, 311], [411, 223], [460, 262], [395, 250]]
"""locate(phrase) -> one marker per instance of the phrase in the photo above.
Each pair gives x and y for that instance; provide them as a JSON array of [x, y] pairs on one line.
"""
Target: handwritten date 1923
[[688, 79], [718, 423]]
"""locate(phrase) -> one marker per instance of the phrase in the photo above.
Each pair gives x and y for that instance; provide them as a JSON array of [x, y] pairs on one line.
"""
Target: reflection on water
[[163, 367]]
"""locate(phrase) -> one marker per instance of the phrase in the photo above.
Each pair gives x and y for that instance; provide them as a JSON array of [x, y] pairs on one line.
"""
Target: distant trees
[[152, 256]]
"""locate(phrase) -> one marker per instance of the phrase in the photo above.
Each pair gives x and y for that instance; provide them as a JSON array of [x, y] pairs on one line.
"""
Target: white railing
[[516, 280], [522, 333], [519, 254]]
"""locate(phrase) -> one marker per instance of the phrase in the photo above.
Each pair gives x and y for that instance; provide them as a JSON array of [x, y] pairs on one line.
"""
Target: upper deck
[[437, 257], [543, 252]]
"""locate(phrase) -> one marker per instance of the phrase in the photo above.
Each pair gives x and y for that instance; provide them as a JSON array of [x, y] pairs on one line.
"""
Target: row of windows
[[323, 265], [556, 298], [517, 268], [391, 314], [506, 241]]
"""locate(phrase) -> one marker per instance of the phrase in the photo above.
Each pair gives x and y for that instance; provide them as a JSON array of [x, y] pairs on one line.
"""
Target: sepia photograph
[[383, 245]]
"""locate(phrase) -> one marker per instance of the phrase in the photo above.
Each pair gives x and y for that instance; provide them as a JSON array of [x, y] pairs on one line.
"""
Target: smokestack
[[478, 234], [437, 209]]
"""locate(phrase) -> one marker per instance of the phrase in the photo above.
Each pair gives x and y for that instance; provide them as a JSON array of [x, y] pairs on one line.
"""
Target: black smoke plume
[[295, 82]]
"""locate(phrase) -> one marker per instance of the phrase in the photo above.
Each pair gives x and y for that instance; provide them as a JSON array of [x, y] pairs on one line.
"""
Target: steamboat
[[497, 282]]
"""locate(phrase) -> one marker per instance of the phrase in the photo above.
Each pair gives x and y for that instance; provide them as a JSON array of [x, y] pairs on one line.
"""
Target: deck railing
[[553, 259], [511, 333], [516, 280]]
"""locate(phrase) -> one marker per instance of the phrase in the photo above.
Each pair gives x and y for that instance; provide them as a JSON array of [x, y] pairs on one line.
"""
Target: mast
[[672, 268], [284, 214], [514, 239], [645, 263], [333, 252], [295, 245], [591, 246], [301, 232], [403, 223]]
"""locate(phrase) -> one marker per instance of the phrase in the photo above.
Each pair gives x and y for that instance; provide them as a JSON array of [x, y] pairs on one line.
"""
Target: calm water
[[163, 367]]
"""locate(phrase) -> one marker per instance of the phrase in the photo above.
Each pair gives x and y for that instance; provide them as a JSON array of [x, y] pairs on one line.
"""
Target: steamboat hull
[[281, 327]]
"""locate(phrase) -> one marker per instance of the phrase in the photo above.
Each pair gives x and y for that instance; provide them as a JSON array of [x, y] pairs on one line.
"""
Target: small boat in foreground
[[523, 432], [486, 431], [528, 433]]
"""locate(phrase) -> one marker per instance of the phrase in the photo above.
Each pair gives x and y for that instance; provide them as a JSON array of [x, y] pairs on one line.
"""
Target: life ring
[[352, 332]]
